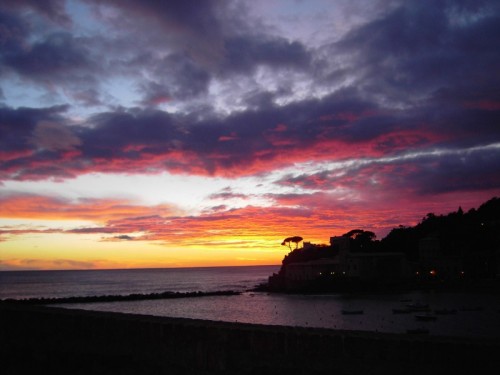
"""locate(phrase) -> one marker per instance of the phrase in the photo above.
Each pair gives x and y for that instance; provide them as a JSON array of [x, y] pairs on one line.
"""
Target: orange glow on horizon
[[119, 234]]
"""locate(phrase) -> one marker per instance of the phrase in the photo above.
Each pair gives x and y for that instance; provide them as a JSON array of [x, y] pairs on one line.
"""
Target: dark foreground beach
[[49, 340]]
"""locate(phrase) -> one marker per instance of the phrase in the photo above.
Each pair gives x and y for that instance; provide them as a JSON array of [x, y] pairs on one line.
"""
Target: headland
[[457, 251]]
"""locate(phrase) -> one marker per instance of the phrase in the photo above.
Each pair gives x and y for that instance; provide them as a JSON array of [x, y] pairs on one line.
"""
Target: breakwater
[[59, 340], [119, 297]]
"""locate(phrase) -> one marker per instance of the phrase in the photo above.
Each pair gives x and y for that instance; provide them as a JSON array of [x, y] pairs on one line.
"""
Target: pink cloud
[[488, 105], [101, 210]]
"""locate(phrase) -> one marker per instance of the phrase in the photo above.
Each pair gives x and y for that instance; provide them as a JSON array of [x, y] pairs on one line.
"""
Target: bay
[[48, 284], [475, 314]]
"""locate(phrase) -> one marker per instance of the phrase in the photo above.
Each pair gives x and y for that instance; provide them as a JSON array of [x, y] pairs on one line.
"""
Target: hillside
[[447, 247]]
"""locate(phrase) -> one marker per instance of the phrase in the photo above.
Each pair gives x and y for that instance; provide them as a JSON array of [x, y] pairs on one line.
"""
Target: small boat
[[352, 312], [445, 311], [418, 331], [401, 311], [418, 307], [477, 308], [426, 318]]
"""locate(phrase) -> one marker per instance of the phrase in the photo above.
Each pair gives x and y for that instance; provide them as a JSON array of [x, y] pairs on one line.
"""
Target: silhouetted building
[[343, 266], [433, 264]]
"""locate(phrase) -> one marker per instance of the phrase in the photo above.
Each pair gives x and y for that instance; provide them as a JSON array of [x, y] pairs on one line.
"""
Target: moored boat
[[445, 311], [426, 318], [418, 307], [401, 311], [468, 309], [417, 331], [352, 312]]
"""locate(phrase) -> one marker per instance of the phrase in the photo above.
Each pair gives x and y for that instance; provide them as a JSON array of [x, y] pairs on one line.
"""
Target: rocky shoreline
[[118, 298]]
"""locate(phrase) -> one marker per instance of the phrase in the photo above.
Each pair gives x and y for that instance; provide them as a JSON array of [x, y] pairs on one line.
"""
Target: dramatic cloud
[[52, 9], [339, 114], [419, 77], [99, 210], [412, 174]]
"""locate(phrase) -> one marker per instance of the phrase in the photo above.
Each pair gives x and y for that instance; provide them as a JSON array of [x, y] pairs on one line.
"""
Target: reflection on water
[[261, 308], [326, 311], [36, 284]]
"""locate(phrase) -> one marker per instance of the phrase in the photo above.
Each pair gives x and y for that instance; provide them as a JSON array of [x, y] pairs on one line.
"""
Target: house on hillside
[[345, 265], [369, 265], [433, 264]]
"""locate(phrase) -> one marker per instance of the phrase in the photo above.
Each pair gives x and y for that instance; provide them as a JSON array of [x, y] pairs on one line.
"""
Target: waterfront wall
[[50, 340]]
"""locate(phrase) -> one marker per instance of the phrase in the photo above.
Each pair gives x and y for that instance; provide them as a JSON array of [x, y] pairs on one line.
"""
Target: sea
[[468, 314]]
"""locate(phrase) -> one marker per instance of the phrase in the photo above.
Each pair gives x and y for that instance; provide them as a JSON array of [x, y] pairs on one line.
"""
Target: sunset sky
[[202, 133]]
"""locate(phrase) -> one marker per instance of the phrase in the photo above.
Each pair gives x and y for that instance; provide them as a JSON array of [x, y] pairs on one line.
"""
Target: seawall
[[37, 339]]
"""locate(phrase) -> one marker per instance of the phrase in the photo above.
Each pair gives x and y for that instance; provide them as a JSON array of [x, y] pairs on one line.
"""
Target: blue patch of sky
[[85, 23], [20, 93]]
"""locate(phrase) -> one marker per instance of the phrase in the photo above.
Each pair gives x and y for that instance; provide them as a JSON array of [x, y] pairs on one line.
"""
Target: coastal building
[[341, 264], [359, 266], [433, 264]]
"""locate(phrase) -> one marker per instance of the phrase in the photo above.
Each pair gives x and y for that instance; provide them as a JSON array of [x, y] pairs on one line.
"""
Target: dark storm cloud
[[26, 150], [13, 31], [190, 26], [422, 48], [245, 53], [58, 57], [17, 126], [471, 171], [188, 15], [426, 174], [423, 76], [53, 60], [52, 9], [182, 46], [239, 140], [469, 126], [177, 76], [180, 77], [128, 135], [439, 62], [199, 42], [141, 140]]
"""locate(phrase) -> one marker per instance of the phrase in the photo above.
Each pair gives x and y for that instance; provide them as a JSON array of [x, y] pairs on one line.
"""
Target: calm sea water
[[28, 284], [260, 308]]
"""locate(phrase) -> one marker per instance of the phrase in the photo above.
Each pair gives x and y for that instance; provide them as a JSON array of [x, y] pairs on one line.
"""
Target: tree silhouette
[[360, 234], [361, 240], [288, 241]]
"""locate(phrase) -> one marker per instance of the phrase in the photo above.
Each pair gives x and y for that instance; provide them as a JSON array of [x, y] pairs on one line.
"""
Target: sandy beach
[[74, 341]]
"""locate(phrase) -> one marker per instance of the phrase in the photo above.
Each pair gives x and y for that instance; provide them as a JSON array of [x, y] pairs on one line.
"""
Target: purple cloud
[[415, 79]]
